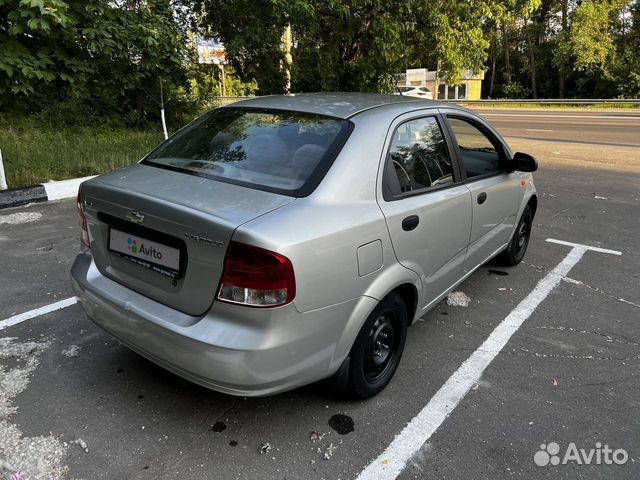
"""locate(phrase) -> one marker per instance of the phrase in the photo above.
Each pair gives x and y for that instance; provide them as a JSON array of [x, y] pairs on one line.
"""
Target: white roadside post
[[3, 178], [164, 123]]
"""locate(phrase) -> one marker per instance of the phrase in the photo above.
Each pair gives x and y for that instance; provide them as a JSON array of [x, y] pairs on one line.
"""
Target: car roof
[[334, 104]]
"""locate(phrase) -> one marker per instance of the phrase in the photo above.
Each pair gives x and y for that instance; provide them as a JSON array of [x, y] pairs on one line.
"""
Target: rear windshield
[[281, 151]]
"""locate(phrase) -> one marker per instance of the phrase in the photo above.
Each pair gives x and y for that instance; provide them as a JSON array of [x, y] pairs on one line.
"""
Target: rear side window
[[479, 154], [267, 149], [418, 157]]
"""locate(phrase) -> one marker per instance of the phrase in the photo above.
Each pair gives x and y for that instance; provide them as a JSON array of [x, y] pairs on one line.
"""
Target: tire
[[372, 362], [517, 247]]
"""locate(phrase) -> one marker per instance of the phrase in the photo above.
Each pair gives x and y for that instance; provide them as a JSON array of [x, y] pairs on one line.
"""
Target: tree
[[626, 66], [104, 55], [252, 33], [352, 44], [589, 46], [591, 39]]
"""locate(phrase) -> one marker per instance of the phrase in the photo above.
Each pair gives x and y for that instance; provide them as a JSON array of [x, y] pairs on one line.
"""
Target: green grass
[[36, 151]]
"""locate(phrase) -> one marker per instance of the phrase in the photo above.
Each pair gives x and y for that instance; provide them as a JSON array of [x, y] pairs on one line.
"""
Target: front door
[[493, 187]]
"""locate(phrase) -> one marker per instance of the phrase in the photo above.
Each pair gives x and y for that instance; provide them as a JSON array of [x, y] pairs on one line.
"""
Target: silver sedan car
[[283, 240]]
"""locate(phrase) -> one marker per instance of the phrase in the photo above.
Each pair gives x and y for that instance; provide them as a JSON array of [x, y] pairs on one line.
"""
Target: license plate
[[147, 253]]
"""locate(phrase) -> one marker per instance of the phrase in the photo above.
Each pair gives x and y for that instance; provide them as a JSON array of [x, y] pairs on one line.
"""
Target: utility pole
[[224, 80]]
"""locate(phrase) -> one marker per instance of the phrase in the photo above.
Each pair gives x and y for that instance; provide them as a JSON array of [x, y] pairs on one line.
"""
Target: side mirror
[[524, 162]]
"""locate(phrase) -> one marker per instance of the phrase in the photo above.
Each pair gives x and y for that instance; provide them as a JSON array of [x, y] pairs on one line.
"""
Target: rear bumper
[[231, 349]]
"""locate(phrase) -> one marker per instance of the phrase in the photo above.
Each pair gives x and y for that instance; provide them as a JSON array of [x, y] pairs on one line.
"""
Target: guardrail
[[504, 101], [550, 101]]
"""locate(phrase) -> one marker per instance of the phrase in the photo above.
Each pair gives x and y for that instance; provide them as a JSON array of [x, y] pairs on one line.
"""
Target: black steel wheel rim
[[522, 237], [382, 347]]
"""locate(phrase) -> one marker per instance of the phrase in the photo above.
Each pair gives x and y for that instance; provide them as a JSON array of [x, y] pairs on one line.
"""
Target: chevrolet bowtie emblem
[[135, 217]]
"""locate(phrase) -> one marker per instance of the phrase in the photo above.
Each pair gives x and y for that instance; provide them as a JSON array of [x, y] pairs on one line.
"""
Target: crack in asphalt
[[610, 337], [526, 353], [598, 290], [580, 283], [560, 212], [611, 382], [571, 357]]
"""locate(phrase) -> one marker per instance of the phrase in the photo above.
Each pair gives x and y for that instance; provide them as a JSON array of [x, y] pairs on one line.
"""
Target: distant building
[[468, 88]]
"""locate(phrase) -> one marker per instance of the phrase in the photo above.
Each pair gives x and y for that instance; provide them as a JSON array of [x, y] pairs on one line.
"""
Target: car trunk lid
[[164, 234]]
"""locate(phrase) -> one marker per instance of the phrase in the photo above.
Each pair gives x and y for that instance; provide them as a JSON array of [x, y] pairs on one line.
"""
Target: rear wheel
[[376, 353], [517, 247]]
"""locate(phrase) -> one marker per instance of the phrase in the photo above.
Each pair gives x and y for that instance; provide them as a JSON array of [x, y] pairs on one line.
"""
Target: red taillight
[[256, 277], [84, 238]]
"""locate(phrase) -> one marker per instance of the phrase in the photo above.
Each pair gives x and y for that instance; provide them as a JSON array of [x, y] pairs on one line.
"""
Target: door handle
[[410, 223], [482, 197]]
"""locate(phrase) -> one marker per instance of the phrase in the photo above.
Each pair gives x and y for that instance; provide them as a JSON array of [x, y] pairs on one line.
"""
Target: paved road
[[619, 128], [570, 374]]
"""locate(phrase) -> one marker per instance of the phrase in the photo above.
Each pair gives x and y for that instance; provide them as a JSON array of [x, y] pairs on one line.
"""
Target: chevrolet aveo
[[283, 240]]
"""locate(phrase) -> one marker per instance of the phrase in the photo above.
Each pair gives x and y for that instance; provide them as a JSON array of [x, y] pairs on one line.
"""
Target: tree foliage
[[251, 32], [569, 48], [107, 56], [353, 44]]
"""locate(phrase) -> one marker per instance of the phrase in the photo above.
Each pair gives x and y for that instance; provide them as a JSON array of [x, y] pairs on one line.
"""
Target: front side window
[[479, 154], [419, 157], [266, 149]]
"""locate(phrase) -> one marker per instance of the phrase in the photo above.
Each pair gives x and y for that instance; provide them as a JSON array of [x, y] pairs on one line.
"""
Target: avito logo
[[550, 454], [138, 248]]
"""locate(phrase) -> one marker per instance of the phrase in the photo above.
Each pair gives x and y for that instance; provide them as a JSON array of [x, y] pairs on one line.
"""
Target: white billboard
[[210, 51]]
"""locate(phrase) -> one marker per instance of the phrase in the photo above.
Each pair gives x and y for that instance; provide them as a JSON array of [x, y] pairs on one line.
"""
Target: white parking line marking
[[393, 460], [37, 312], [585, 247]]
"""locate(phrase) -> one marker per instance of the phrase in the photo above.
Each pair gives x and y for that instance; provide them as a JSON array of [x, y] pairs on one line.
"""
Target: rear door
[[485, 167], [426, 206]]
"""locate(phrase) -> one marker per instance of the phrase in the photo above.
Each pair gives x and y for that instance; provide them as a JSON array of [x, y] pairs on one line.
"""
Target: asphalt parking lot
[[77, 404]]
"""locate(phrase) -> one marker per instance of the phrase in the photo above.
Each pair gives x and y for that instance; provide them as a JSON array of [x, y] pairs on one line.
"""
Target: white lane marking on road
[[21, 217], [393, 460], [597, 117], [537, 130], [21, 317], [585, 247]]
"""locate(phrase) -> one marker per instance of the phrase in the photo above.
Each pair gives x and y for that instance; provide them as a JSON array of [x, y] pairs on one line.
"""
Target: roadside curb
[[41, 193]]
